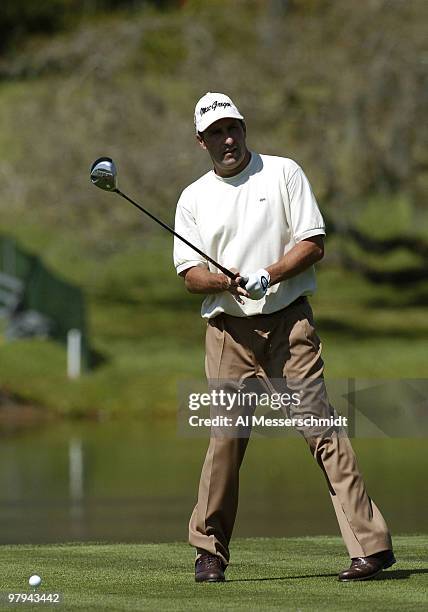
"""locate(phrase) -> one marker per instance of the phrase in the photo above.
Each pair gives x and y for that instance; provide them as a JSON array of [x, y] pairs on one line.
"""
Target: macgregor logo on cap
[[213, 106]]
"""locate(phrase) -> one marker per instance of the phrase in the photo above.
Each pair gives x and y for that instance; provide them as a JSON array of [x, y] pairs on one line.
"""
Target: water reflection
[[123, 481]]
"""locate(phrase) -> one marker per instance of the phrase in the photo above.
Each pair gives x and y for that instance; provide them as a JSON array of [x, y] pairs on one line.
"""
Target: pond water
[[124, 481]]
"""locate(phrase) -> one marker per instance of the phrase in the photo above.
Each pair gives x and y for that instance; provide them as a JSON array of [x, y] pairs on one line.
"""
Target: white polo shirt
[[247, 222]]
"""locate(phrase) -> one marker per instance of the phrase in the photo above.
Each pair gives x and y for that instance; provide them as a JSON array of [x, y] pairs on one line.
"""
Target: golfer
[[256, 214]]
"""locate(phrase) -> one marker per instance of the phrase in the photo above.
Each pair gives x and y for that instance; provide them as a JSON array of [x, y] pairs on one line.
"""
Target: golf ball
[[34, 580]]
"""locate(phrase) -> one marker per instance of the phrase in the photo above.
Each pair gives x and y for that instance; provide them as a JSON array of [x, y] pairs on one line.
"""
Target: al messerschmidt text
[[247, 420]]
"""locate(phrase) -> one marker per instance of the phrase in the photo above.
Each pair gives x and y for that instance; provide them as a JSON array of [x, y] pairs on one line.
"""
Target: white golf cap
[[212, 107]]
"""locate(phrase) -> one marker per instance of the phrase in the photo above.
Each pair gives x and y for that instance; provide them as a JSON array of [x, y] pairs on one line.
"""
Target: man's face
[[225, 142]]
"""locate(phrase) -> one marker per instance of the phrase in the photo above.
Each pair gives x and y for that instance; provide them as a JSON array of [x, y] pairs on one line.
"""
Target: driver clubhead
[[104, 174]]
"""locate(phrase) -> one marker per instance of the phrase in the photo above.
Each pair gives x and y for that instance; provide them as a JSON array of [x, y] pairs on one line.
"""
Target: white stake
[[74, 353]]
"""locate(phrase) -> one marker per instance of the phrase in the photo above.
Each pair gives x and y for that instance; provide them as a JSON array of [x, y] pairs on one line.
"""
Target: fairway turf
[[265, 574]]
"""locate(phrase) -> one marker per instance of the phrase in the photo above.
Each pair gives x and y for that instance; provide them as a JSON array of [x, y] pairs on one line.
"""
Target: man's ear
[[244, 127], [201, 141]]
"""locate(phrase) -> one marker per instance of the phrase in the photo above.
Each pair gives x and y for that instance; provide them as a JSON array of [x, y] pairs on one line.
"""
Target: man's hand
[[200, 280], [257, 284], [236, 289]]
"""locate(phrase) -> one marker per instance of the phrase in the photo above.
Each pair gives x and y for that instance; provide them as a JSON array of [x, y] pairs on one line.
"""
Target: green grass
[[265, 574]]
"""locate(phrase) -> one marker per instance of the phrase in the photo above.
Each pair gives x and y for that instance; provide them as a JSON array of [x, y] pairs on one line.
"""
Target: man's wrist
[[278, 273], [201, 280], [222, 282], [274, 275]]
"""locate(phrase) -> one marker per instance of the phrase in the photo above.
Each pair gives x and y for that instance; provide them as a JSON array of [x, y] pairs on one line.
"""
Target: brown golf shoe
[[209, 568], [365, 568]]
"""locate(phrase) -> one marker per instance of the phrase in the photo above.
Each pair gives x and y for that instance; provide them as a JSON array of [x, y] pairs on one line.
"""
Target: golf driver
[[104, 176]]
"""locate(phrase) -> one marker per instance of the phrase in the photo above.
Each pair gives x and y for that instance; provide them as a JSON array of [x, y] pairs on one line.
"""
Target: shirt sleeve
[[306, 219], [185, 225]]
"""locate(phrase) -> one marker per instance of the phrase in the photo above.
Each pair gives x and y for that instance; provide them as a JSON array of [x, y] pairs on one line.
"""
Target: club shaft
[[225, 271]]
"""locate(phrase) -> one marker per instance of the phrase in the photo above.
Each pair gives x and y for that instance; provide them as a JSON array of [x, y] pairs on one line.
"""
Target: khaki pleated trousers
[[282, 345]]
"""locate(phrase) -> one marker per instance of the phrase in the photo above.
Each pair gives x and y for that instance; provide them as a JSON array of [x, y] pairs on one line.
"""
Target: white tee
[[249, 221]]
